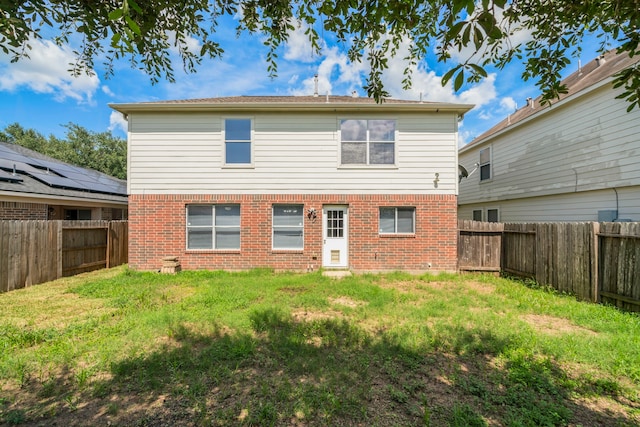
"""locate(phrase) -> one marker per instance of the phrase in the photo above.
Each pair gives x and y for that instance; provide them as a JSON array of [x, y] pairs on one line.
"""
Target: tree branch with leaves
[[146, 33]]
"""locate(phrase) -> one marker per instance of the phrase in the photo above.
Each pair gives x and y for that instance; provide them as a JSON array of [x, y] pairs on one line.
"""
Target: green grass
[[259, 348]]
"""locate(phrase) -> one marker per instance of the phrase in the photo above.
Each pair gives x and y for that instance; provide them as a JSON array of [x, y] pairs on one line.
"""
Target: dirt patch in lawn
[[347, 302], [481, 288], [554, 325], [311, 315]]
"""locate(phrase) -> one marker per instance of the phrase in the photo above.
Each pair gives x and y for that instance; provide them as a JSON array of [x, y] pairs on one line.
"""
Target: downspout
[[617, 214]]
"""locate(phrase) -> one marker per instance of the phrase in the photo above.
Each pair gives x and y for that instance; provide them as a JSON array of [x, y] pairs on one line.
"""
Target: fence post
[[595, 258], [108, 260], [59, 247]]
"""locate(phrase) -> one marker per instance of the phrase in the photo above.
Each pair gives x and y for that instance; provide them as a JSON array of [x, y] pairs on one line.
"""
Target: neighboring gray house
[[578, 160], [37, 187]]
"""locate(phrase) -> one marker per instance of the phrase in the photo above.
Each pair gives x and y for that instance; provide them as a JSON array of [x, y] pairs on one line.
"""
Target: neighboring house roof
[[26, 172], [591, 75], [289, 103]]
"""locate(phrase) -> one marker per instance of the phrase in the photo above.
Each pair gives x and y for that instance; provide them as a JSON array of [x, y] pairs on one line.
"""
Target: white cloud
[[298, 46], [508, 104], [107, 91], [193, 45], [428, 84], [464, 137], [117, 122], [46, 71], [336, 75]]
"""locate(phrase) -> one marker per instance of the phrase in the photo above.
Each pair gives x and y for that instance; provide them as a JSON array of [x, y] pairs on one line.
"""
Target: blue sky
[[39, 93]]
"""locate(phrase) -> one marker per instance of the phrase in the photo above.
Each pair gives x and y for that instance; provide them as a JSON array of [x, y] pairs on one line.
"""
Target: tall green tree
[[145, 32], [99, 151]]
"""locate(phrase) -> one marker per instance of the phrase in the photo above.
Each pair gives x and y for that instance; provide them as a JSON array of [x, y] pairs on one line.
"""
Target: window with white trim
[[485, 164], [213, 226], [493, 215], [288, 227], [367, 142], [237, 141], [397, 220]]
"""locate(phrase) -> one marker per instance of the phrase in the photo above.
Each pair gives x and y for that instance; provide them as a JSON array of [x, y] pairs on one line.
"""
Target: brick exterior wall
[[157, 229], [23, 211]]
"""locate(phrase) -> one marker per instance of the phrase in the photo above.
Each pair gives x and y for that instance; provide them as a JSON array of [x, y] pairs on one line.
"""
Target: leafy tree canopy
[[99, 151], [145, 33]]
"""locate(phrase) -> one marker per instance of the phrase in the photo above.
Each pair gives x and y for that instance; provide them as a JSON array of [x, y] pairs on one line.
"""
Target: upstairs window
[[485, 164], [397, 220], [213, 227], [237, 141], [368, 142]]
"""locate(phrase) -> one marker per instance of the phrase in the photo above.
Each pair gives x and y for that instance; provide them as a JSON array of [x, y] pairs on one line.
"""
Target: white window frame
[[395, 220], [275, 227], [214, 228], [488, 163], [368, 143], [497, 210], [225, 141]]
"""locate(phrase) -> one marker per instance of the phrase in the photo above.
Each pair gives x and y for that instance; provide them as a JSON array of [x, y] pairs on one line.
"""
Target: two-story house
[[576, 160], [295, 183]]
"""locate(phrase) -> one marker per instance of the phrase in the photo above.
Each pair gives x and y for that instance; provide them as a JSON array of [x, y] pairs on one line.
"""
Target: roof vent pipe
[[327, 99], [530, 102], [354, 94], [315, 85], [14, 169]]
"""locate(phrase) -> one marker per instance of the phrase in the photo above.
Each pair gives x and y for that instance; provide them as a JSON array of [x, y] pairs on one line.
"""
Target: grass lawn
[[118, 347]]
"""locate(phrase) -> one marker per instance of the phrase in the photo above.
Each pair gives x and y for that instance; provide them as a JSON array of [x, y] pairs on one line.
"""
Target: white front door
[[335, 232]]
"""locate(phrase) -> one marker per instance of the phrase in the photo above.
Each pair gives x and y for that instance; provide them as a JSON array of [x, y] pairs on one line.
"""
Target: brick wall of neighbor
[[22, 211], [157, 229]]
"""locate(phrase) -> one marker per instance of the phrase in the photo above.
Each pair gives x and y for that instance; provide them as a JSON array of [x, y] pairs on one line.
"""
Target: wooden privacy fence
[[33, 252], [597, 262]]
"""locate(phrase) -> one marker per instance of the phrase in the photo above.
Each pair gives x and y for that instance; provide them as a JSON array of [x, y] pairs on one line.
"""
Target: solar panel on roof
[[60, 175], [9, 176]]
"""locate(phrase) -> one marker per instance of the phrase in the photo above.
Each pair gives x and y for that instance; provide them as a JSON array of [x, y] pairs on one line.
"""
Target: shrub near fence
[[33, 252], [597, 262]]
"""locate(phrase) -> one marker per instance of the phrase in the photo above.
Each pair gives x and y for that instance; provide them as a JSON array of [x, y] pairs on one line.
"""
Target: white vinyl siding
[[570, 207], [184, 154], [590, 143]]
